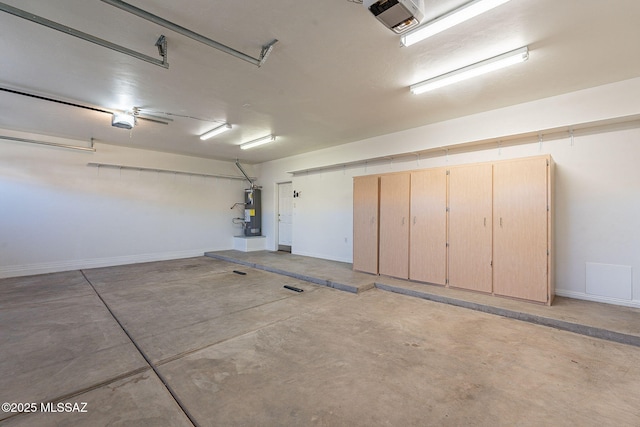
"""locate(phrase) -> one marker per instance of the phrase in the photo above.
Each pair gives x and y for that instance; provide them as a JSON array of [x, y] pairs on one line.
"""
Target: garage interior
[[180, 202]]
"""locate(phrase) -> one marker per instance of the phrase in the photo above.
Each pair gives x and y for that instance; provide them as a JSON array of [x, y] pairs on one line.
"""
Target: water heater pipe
[[239, 166]]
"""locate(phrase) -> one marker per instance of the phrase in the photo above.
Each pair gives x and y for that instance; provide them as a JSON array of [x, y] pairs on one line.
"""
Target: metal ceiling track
[[161, 43], [266, 49]]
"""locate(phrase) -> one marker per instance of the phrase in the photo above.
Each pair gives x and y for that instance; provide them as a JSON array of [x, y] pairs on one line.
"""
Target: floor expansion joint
[[143, 354]]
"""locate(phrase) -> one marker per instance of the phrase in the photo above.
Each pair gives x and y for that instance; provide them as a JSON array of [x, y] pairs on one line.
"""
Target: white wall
[[597, 182], [57, 213]]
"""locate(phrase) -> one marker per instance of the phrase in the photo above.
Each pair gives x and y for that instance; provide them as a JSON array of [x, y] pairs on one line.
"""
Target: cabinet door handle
[[403, 218], [414, 220], [485, 221], [500, 221]]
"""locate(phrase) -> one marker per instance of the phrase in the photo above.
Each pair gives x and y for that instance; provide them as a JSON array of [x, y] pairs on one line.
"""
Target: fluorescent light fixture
[[123, 120], [216, 131], [449, 20], [477, 69], [265, 140]]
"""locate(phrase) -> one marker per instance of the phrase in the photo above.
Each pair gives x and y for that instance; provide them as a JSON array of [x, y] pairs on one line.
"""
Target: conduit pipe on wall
[[141, 168], [499, 143], [52, 144], [266, 49]]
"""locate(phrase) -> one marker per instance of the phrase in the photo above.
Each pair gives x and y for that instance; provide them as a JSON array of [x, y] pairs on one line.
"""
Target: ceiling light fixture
[[449, 20], [264, 140], [123, 120], [216, 131], [477, 69]]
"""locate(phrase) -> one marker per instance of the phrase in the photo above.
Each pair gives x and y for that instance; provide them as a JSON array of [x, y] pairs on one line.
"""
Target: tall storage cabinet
[[485, 227], [470, 227], [522, 229], [394, 225], [366, 194], [428, 227]]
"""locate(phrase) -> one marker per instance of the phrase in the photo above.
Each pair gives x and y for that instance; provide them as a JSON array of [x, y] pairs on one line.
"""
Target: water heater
[[252, 212]]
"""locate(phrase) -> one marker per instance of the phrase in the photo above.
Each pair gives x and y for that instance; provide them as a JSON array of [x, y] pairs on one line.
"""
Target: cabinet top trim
[[548, 158]]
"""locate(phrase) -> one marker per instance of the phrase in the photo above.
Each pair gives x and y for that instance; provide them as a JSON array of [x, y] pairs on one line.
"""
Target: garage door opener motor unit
[[398, 15]]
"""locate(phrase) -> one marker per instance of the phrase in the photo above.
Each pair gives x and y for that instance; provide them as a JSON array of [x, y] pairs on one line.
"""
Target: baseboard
[[596, 298], [58, 266], [321, 256]]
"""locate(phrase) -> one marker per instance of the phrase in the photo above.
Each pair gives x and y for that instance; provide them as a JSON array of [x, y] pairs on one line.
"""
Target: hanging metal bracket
[[266, 49], [161, 44], [88, 37]]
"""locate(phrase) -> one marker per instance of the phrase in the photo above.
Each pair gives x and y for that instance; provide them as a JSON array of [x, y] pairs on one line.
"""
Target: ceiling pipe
[[266, 49]]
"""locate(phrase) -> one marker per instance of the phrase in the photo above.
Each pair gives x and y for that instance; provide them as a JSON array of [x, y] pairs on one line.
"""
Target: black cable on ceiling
[[44, 98], [100, 110]]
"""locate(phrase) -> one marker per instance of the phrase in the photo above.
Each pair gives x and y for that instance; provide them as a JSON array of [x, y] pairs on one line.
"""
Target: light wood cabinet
[[521, 229], [485, 227], [366, 194], [470, 227], [394, 225], [428, 228]]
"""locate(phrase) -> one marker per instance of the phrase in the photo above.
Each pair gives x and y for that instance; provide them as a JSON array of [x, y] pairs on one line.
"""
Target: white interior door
[[285, 213]]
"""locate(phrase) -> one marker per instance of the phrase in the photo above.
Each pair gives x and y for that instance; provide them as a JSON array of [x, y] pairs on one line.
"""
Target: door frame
[[277, 244]]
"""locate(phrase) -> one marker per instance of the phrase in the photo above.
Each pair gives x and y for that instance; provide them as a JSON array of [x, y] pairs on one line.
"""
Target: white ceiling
[[336, 75]]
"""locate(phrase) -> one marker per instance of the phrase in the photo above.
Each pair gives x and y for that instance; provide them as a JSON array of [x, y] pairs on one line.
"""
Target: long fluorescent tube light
[[477, 69], [449, 20], [216, 131], [260, 141]]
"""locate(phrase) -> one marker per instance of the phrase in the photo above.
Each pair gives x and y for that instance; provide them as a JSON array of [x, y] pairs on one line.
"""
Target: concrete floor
[[190, 342]]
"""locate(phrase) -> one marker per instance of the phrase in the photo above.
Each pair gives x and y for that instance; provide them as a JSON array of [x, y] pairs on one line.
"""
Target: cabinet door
[[365, 223], [394, 225], [470, 225], [428, 228], [520, 227]]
